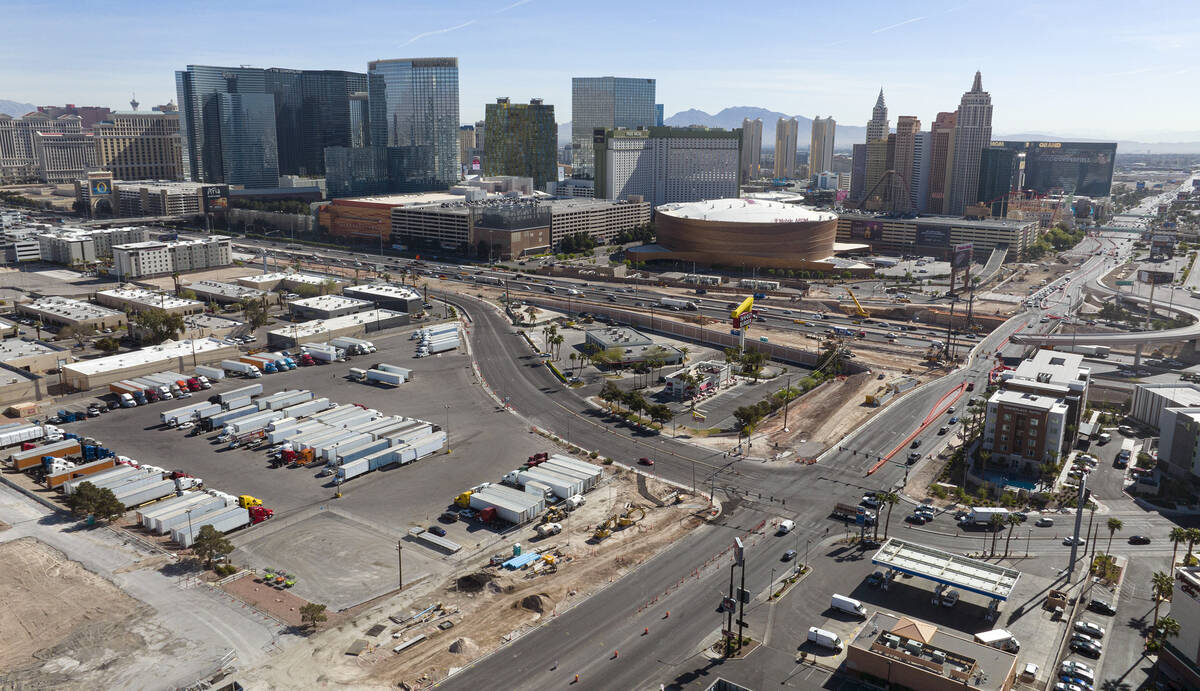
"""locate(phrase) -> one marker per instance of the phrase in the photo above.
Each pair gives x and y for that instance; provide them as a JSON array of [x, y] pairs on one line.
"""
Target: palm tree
[[1168, 627], [684, 350], [1114, 524], [573, 357], [1193, 536], [891, 499], [1013, 520], [1162, 587], [1178, 536], [996, 524]]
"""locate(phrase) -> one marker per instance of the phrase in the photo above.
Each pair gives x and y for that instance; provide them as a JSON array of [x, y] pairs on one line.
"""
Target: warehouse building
[[327, 307], [321, 330], [57, 311], [223, 293], [936, 236], [8, 329], [129, 299], [387, 296], [20, 390], [210, 325], [33, 356], [282, 281], [172, 355]]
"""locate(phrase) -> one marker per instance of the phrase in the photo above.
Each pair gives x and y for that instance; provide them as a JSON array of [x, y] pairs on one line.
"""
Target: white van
[[786, 526], [825, 638], [848, 605]]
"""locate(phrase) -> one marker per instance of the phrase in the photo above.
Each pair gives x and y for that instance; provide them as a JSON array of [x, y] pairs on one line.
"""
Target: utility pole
[[400, 557], [787, 398]]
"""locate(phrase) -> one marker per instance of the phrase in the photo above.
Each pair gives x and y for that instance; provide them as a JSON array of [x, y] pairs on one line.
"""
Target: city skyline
[[921, 84]]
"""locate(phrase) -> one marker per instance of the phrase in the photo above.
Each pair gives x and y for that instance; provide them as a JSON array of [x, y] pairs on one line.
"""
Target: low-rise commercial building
[[1173, 410], [327, 307], [698, 378], [172, 355], [58, 311], [936, 236], [130, 299], [8, 329], [210, 325], [321, 330], [224, 293], [1150, 400], [142, 259], [387, 296], [1179, 660], [622, 345], [915, 654], [33, 356], [282, 281]]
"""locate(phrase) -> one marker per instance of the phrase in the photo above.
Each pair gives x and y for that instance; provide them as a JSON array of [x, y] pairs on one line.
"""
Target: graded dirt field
[[54, 611]]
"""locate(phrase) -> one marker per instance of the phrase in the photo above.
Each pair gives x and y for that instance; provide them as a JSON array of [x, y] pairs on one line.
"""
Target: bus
[[1126, 452]]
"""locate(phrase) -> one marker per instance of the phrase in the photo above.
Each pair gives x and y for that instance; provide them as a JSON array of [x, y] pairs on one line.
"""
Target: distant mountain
[[731, 118], [16, 108]]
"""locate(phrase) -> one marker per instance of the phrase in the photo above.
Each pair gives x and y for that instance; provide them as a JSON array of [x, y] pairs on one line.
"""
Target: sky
[[1091, 68]]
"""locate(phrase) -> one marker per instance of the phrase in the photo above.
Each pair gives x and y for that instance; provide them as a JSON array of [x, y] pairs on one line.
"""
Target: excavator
[[605, 529], [858, 308], [627, 519]]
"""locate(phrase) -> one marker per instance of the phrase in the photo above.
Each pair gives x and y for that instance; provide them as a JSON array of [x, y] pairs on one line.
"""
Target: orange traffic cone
[[667, 615], [616, 654], [646, 631]]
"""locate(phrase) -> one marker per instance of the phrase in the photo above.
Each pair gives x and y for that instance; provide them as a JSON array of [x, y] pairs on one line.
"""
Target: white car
[[1089, 628], [186, 425], [1074, 667]]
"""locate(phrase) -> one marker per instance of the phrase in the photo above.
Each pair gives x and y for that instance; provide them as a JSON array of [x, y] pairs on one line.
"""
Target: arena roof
[[937, 565], [745, 211]]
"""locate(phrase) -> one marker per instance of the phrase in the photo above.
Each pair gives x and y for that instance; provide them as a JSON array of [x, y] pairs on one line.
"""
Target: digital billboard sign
[[933, 236]]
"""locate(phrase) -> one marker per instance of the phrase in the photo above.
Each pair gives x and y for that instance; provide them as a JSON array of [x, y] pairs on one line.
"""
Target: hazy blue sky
[[1087, 68]]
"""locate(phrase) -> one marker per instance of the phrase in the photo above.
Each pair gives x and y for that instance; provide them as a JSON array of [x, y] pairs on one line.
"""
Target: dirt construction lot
[[51, 607]]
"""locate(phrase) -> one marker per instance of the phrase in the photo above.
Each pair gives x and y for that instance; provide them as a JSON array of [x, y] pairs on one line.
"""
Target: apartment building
[[139, 259]]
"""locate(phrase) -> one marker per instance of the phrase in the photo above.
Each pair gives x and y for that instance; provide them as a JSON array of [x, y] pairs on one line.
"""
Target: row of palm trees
[[616, 396]]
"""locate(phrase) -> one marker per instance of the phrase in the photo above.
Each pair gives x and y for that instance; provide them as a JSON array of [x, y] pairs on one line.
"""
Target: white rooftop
[[1180, 396], [744, 211], [387, 290], [1052, 366], [330, 302], [226, 289], [991, 580], [276, 276], [11, 348], [72, 309], [409, 199], [317, 327], [1029, 400], [150, 298], [168, 351]]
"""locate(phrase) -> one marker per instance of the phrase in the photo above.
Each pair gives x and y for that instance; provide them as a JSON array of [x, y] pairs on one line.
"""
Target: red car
[[645, 461]]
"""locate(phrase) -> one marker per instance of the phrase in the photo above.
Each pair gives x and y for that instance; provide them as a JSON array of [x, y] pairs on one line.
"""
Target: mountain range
[[16, 108]]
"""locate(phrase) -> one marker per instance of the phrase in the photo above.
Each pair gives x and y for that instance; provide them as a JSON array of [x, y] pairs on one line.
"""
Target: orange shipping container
[[24, 460], [87, 469]]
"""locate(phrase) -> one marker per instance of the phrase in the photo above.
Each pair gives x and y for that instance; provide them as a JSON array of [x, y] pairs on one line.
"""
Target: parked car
[[1101, 606], [1084, 647], [1064, 686], [917, 518], [875, 579], [448, 516], [870, 500], [437, 530], [1090, 629]]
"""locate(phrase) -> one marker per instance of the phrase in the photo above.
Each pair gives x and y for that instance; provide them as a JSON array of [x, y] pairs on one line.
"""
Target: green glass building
[[521, 139]]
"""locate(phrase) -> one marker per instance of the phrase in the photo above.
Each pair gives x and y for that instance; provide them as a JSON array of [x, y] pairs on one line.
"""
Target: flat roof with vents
[[940, 566]]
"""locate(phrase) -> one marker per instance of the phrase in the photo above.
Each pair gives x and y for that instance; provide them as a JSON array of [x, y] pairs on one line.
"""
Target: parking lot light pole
[[446, 428]]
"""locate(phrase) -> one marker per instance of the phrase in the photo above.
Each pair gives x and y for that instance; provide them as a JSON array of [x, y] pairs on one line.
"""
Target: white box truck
[[1000, 639]]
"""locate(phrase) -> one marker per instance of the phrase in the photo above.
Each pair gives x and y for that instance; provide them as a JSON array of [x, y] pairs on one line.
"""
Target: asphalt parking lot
[[376, 509]]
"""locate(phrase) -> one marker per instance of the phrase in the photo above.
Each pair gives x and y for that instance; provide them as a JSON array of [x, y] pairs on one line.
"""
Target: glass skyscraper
[[413, 105], [310, 109], [249, 152], [604, 103], [522, 140]]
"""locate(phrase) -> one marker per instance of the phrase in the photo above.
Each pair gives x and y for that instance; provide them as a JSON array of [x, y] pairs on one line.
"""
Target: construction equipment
[[858, 308], [605, 529], [627, 519], [554, 514]]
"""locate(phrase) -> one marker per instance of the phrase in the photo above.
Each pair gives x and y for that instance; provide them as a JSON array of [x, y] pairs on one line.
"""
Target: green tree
[[1013, 520], [308, 290], [661, 413], [611, 394], [187, 294], [89, 500], [210, 543], [995, 525], [1193, 536], [312, 614], [108, 344], [1114, 524], [158, 326], [1162, 587]]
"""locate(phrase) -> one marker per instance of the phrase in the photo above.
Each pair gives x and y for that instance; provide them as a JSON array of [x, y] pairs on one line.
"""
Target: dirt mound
[[473, 582], [539, 603], [464, 646]]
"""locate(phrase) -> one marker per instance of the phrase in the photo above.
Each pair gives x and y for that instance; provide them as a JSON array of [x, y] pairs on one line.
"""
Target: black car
[[916, 443], [437, 530], [1139, 540], [1102, 607], [1085, 647]]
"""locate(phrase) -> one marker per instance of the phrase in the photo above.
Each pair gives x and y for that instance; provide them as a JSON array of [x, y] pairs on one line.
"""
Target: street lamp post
[[446, 428], [189, 515]]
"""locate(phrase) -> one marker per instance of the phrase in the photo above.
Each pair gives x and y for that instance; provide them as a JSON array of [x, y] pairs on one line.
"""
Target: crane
[[858, 308]]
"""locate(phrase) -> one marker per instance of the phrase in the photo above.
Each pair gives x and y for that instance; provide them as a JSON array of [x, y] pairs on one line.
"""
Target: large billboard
[[1148, 276], [961, 258], [933, 236], [865, 230], [1081, 168]]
